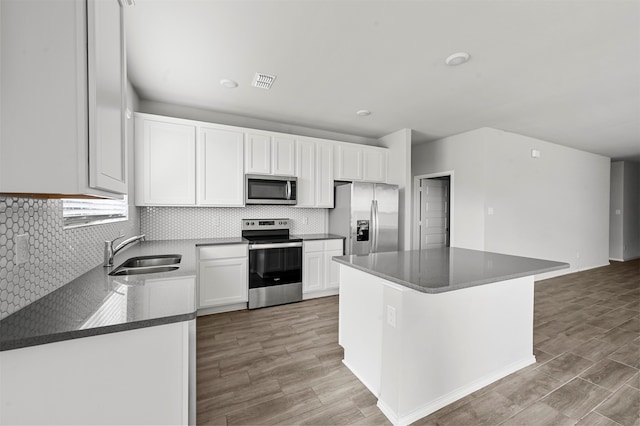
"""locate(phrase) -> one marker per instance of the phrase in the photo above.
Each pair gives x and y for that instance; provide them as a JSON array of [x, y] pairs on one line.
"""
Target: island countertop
[[445, 269]]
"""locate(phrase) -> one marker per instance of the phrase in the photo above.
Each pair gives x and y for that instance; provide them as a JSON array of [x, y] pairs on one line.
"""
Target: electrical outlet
[[391, 316], [22, 248]]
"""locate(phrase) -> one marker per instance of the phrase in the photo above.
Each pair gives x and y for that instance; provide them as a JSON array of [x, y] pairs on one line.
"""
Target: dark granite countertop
[[311, 237], [446, 269], [96, 303]]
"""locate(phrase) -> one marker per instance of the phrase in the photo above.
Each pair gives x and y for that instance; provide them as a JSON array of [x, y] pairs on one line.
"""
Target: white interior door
[[434, 213]]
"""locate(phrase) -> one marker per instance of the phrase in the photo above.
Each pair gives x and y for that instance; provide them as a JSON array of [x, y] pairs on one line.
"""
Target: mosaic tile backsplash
[[175, 223], [56, 255]]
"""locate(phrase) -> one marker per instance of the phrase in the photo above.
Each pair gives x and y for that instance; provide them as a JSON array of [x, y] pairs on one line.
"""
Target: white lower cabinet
[[321, 275], [141, 376], [222, 278]]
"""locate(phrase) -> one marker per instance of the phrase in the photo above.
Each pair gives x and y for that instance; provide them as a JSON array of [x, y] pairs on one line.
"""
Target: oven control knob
[[246, 223], [284, 223], [253, 223]]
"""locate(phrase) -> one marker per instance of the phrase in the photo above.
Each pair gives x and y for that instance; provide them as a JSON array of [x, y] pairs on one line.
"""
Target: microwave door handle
[[288, 190]]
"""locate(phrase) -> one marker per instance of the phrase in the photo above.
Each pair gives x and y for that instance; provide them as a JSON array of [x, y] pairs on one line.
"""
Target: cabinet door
[[106, 90], [313, 270], [222, 282], [283, 156], [258, 154], [349, 162], [324, 175], [165, 163], [306, 173], [375, 165], [332, 270], [220, 168]]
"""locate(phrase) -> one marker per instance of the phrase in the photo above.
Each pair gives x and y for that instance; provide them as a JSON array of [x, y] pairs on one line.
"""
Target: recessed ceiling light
[[457, 59], [363, 112], [229, 84]]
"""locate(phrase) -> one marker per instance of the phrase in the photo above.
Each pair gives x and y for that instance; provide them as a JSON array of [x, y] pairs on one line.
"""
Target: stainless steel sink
[[145, 261], [148, 265], [137, 271]]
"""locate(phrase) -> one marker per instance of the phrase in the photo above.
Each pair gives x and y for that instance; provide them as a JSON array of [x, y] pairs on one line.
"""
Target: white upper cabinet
[[165, 165], [181, 162], [270, 155], [283, 156], [324, 175], [187, 163], [306, 173], [63, 96], [355, 162], [375, 164], [348, 162], [220, 179], [258, 155], [107, 76], [314, 170]]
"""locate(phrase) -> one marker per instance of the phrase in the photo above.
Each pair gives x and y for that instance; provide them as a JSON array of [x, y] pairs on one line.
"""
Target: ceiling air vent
[[263, 81]]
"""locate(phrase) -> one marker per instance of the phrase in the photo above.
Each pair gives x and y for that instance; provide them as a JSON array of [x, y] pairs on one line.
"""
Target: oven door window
[[267, 189], [275, 266]]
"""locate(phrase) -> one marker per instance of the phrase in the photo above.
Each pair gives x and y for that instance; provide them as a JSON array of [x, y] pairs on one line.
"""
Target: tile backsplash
[[56, 255], [175, 223]]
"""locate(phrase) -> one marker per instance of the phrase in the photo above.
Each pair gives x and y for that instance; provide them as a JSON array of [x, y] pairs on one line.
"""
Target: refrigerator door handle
[[374, 225]]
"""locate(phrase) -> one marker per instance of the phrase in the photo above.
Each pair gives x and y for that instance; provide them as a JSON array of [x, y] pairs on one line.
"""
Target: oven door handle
[[275, 245]]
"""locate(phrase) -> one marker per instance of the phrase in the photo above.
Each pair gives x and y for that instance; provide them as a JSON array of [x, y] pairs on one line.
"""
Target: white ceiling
[[565, 71]]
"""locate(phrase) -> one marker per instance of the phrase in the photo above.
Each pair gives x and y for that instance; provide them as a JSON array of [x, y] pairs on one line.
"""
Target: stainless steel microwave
[[266, 189]]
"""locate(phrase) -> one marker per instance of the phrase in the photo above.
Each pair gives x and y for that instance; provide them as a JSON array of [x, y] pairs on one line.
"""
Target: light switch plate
[[22, 248]]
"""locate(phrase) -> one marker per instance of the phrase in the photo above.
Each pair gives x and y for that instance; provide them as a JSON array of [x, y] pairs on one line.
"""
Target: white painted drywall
[[631, 212], [616, 211], [462, 154], [399, 173], [553, 207]]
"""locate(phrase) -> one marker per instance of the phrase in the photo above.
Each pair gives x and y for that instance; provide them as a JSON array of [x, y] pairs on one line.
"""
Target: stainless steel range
[[275, 262]]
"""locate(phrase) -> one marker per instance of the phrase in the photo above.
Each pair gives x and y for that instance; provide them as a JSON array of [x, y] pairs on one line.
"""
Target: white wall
[[461, 154], [189, 113], [399, 173], [616, 204], [631, 210], [554, 207]]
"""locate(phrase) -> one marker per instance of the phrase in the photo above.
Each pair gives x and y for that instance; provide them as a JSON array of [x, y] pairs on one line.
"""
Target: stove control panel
[[265, 224]]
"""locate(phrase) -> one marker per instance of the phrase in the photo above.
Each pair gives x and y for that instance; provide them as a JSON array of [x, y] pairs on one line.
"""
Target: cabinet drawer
[[313, 246], [331, 245], [224, 251]]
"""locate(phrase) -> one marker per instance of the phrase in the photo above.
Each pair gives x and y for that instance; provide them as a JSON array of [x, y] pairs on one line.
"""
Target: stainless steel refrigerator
[[367, 215]]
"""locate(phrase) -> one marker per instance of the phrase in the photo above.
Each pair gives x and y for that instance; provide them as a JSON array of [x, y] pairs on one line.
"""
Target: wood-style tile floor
[[282, 365]]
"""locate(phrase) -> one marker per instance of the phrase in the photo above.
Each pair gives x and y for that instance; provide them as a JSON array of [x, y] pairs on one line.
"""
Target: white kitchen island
[[422, 329]]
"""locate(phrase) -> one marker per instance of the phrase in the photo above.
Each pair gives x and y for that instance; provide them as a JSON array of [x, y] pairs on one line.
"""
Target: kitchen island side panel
[[423, 351]]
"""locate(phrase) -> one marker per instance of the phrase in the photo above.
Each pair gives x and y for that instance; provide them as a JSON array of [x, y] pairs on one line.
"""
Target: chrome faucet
[[110, 252]]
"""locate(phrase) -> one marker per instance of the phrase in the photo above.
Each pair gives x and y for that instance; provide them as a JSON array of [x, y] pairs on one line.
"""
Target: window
[[90, 211]]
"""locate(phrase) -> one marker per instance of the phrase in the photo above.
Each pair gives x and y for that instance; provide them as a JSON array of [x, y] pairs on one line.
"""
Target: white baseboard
[[364, 382], [322, 293], [554, 274], [444, 400], [220, 309]]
